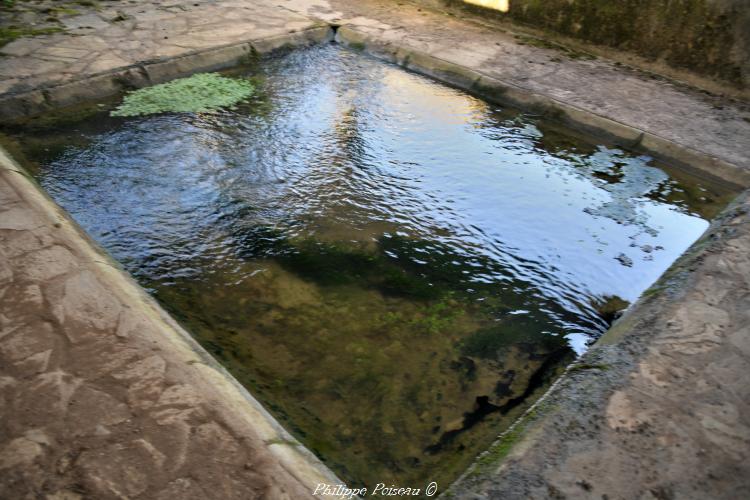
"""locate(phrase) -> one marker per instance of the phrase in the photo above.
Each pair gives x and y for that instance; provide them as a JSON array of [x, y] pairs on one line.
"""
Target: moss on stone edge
[[198, 93], [10, 33], [501, 448]]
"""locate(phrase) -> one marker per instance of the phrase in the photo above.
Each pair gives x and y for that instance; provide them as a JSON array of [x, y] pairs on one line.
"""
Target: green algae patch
[[10, 33], [196, 94]]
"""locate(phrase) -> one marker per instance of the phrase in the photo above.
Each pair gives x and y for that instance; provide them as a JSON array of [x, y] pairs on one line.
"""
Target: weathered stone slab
[[102, 395]]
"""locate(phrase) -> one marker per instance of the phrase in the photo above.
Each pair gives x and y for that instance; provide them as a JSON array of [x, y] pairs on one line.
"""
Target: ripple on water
[[393, 266]]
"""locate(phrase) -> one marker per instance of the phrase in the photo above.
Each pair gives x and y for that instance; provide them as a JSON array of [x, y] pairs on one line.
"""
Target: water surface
[[395, 268]]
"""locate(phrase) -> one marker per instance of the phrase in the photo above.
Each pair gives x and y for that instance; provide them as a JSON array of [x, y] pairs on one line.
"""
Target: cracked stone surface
[[96, 399], [109, 39]]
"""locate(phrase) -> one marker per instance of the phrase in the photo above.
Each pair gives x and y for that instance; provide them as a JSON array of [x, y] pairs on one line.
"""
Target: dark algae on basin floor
[[395, 268]]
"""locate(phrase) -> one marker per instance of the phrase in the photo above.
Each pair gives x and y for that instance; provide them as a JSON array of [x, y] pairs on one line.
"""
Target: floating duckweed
[[199, 93]]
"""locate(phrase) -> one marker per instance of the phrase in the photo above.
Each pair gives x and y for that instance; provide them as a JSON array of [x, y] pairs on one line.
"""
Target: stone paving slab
[[100, 42], [102, 395]]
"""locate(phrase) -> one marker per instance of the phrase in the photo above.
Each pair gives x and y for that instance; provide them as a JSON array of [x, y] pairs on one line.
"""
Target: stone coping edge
[[90, 88], [213, 380], [99, 86], [619, 348], [585, 387], [499, 92]]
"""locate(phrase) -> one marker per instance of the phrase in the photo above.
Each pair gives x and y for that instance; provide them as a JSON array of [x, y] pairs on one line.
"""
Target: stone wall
[[708, 37]]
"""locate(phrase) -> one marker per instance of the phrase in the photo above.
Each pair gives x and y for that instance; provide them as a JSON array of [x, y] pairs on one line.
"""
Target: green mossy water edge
[[199, 93]]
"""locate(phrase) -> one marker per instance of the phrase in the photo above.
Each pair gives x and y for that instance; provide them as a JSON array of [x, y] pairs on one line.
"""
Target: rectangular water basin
[[395, 268]]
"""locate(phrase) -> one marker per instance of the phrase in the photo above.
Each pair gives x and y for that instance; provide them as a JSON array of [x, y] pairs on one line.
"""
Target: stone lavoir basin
[[395, 268]]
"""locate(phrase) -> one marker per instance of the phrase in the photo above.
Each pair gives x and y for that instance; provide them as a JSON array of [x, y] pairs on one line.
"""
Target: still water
[[394, 267]]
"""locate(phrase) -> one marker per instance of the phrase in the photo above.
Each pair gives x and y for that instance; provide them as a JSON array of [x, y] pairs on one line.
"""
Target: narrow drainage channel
[[394, 268]]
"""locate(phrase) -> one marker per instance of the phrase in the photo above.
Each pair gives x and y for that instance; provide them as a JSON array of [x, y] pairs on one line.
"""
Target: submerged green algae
[[198, 93], [344, 366], [337, 338]]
